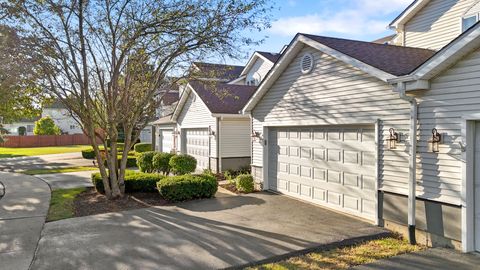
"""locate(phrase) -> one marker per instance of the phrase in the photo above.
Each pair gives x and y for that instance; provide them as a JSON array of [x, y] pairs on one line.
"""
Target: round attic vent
[[306, 63]]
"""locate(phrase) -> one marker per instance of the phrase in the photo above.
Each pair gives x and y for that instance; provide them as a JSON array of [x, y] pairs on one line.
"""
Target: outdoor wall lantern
[[435, 141], [256, 135], [211, 132], [393, 139]]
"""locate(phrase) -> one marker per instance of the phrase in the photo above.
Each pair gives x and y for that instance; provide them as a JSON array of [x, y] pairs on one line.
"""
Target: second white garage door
[[166, 140], [196, 145], [331, 166]]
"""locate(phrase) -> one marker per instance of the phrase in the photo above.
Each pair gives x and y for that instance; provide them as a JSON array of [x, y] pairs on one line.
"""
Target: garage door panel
[[333, 166], [196, 145]]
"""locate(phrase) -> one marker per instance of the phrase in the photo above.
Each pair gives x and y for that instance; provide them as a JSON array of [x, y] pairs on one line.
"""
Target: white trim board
[[468, 188]]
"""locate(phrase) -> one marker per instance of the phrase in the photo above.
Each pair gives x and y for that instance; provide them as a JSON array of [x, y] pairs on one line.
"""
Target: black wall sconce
[[211, 132], [256, 135], [393, 139], [436, 140]]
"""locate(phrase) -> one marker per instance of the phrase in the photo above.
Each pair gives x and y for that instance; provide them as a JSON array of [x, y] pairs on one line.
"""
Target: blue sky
[[354, 19]]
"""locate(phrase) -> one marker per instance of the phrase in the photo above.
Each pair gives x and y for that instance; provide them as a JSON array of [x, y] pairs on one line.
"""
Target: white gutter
[[412, 179]]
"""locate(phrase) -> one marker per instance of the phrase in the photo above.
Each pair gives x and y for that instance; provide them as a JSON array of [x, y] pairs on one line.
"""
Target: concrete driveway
[[68, 180], [43, 162], [228, 231]]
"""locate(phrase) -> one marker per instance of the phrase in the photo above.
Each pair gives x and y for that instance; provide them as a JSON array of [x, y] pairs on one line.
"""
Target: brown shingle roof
[[218, 71], [170, 97], [396, 60], [223, 98], [270, 56]]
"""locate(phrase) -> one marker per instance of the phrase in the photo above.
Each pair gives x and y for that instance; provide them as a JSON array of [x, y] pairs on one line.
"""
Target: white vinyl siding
[[195, 114], [235, 137], [436, 24], [261, 68], [333, 94], [453, 94]]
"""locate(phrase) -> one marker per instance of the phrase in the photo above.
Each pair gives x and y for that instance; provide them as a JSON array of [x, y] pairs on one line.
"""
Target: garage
[[333, 166], [165, 137], [196, 144]]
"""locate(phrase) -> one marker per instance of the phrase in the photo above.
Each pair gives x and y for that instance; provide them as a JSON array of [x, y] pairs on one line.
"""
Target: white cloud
[[363, 17]]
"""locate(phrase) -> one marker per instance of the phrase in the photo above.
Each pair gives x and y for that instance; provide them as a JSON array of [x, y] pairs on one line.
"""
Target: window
[[29, 128], [72, 126], [468, 22]]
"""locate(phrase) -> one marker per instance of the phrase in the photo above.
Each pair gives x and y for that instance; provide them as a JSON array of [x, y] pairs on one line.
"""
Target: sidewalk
[[23, 210], [430, 259]]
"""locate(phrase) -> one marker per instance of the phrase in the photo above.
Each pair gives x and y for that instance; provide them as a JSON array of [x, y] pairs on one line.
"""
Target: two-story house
[[389, 133]]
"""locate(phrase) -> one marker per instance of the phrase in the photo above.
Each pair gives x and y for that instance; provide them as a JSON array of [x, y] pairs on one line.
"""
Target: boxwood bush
[[145, 161], [142, 147], [244, 183], [187, 187], [131, 161], [183, 164], [161, 162], [134, 181], [88, 153]]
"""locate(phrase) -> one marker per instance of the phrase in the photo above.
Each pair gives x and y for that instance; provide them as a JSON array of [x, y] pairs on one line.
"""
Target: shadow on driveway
[[228, 231]]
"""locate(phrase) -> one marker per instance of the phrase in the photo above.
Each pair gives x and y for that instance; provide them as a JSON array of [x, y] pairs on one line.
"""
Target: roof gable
[[384, 62], [447, 56], [408, 13], [267, 56]]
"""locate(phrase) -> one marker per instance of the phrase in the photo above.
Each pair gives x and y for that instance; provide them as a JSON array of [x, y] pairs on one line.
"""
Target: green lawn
[[346, 257], [59, 170], [37, 151], [61, 204]]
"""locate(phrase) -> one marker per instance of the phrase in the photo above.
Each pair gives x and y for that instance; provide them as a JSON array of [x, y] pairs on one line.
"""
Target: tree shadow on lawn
[[10, 155]]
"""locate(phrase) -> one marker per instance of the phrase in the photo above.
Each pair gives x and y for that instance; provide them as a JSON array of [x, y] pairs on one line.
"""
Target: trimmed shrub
[[244, 183], [161, 162], [142, 147], [187, 187], [183, 164], [88, 153], [145, 161], [131, 161], [134, 181]]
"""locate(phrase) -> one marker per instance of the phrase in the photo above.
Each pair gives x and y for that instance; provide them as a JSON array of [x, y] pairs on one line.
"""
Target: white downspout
[[412, 179]]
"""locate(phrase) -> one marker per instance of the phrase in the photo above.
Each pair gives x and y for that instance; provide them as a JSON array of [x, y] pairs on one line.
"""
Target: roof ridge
[[367, 42], [216, 64]]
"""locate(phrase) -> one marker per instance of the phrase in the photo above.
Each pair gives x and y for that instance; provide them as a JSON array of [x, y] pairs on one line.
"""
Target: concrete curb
[[323, 247]]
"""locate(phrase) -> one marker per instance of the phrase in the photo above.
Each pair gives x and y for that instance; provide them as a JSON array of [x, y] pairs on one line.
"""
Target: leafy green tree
[[20, 95], [107, 60], [46, 126]]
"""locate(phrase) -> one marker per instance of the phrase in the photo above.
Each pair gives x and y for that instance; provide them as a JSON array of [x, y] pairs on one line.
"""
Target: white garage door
[[477, 185], [332, 166], [166, 140], [196, 145]]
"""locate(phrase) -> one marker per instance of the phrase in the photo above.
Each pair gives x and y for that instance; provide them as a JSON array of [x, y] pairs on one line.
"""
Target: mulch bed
[[230, 187], [91, 203]]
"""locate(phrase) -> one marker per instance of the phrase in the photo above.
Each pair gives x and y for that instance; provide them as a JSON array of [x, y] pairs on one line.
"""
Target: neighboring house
[[256, 68], [62, 118], [208, 118], [27, 123], [335, 123]]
